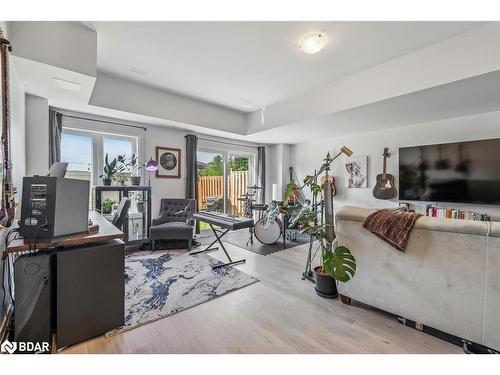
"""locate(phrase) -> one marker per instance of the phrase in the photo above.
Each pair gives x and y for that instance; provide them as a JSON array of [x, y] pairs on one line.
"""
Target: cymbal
[[255, 187]]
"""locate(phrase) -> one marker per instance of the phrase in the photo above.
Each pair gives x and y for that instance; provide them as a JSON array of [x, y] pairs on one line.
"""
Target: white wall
[[277, 171], [305, 157], [165, 187], [37, 138]]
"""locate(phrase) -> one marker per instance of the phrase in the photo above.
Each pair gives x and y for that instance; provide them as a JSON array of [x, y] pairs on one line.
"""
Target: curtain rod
[[104, 121], [226, 143]]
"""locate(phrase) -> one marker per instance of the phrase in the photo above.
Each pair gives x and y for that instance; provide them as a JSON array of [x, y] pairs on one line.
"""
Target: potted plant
[[110, 170], [139, 201], [133, 167], [122, 179], [107, 206], [336, 262]]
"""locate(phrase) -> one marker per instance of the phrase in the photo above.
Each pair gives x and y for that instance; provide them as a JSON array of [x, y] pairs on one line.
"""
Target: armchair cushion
[[175, 210], [171, 231]]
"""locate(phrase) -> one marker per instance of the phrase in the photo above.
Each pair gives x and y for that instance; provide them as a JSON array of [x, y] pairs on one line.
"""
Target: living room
[[297, 185]]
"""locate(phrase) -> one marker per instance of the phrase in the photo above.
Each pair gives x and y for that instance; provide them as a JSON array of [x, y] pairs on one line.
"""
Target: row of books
[[453, 213]]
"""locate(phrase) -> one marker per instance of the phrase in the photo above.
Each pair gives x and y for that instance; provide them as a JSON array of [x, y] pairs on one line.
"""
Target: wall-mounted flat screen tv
[[462, 172]]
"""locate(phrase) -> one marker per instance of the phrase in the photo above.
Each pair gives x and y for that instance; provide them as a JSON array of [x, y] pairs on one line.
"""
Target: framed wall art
[[356, 174], [169, 162]]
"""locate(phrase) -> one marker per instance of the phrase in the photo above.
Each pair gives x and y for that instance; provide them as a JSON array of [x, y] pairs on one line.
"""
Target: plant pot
[[140, 207], [135, 180], [106, 181], [326, 286]]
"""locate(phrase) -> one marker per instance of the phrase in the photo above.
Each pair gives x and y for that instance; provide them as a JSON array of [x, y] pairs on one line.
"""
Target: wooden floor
[[279, 314]]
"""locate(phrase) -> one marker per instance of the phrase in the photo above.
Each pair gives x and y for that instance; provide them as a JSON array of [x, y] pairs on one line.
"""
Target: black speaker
[[53, 207], [33, 298]]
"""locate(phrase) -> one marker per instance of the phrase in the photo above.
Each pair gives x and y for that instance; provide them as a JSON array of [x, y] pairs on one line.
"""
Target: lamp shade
[[151, 165]]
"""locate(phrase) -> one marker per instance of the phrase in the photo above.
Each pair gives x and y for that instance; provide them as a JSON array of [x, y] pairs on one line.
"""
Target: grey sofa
[[175, 221], [448, 278]]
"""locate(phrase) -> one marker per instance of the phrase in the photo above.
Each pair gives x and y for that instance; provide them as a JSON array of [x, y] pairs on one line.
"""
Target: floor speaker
[[33, 298]]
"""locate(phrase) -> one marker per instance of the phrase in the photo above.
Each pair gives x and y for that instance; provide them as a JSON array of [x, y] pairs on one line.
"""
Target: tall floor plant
[[336, 261]]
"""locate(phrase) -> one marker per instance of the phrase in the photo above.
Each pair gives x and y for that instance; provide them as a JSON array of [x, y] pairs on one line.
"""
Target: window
[[76, 150], [84, 147], [114, 146]]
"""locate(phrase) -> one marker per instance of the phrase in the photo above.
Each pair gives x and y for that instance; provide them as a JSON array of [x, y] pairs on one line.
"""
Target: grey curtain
[[261, 171], [192, 170], [55, 132]]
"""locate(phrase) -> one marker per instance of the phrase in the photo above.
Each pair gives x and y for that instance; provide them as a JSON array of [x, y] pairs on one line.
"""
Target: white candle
[[277, 196]]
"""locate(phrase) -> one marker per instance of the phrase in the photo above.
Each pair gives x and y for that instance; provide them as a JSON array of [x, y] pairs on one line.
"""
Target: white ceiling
[[248, 65], [460, 98]]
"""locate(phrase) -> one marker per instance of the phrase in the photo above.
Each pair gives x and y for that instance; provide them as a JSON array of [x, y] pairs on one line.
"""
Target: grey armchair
[[175, 221]]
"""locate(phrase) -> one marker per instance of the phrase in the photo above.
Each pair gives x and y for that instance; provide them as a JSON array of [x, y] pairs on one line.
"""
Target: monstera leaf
[[339, 264]]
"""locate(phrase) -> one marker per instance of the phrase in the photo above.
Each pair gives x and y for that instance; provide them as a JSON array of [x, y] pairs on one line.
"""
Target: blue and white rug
[[161, 284]]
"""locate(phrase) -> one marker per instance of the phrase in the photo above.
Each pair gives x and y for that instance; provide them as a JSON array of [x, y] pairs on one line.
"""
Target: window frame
[[98, 130], [227, 153]]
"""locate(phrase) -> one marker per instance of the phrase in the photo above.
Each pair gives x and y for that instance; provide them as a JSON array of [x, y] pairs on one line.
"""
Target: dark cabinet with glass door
[[136, 228]]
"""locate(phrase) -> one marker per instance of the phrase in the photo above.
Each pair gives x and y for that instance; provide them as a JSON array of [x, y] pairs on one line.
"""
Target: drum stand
[[218, 235], [250, 239]]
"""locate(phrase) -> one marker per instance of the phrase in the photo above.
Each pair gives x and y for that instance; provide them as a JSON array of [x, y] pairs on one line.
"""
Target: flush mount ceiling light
[[313, 43]]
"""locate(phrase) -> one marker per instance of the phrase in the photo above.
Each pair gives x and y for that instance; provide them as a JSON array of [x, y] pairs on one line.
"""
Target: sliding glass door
[[239, 178], [223, 177], [211, 188]]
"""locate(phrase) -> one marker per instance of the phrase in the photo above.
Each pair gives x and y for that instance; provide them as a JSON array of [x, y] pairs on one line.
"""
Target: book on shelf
[[455, 213]]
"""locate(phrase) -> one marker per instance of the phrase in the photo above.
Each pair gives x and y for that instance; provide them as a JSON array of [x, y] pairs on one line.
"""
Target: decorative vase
[[135, 180], [106, 181], [326, 286]]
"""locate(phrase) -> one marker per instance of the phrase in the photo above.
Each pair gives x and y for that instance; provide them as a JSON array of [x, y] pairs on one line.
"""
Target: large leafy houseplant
[[132, 166], [336, 261]]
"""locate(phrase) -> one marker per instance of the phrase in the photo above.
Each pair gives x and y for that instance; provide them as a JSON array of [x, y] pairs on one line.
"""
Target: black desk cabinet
[[90, 291], [136, 228]]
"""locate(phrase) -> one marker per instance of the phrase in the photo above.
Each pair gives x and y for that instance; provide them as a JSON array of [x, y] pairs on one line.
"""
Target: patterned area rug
[[164, 283], [240, 238]]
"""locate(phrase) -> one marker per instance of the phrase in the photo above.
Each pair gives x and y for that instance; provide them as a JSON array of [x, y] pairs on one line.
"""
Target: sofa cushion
[[171, 231]]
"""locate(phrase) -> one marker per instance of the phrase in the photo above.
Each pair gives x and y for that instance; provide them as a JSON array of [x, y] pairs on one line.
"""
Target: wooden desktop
[[107, 231]]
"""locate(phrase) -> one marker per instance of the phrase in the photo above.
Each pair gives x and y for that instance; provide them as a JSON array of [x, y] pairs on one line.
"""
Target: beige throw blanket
[[392, 225]]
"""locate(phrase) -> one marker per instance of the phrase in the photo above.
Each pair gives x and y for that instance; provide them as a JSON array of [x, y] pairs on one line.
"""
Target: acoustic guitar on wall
[[385, 188]]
